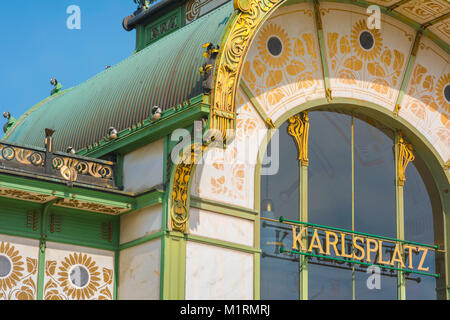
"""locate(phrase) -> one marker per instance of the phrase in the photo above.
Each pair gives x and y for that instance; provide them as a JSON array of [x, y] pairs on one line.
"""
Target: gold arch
[[243, 26]]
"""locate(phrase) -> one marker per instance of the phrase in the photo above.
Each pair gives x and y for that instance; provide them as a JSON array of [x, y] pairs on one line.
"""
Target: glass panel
[[279, 197], [423, 223], [375, 210], [329, 198]]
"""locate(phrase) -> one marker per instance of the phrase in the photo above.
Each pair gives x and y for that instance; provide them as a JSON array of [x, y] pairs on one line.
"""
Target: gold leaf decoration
[[295, 68], [107, 275], [274, 78], [353, 63], [386, 57], [380, 85], [332, 43], [50, 266], [25, 293], [344, 46], [259, 67], [375, 69], [31, 265], [299, 49]]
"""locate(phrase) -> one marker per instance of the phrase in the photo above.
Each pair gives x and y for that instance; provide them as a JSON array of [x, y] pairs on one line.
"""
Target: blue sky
[[36, 45]]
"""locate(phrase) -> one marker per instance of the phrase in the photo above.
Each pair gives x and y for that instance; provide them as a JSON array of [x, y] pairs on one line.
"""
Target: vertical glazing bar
[[303, 276], [353, 205], [401, 290]]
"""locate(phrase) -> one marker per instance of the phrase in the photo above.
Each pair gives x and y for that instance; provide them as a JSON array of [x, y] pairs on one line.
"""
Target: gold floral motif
[[301, 70], [71, 290], [428, 94], [378, 68], [17, 284], [10, 280], [443, 82], [372, 53], [269, 31]]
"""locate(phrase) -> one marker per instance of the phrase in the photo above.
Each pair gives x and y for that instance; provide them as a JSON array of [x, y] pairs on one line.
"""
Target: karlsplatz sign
[[363, 249]]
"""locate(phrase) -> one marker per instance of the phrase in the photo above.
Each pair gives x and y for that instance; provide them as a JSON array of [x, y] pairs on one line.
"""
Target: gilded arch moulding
[[249, 16]]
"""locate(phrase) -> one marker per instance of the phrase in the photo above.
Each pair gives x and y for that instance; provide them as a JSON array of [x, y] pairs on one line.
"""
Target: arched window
[[348, 187]]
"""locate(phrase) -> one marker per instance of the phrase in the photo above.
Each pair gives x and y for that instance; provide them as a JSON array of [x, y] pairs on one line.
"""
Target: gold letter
[[369, 250], [397, 257], [343, 247], [425, 251], [297, 238], [410, 249], [315, 238], [332, 243], [361, 257], [380, 253]]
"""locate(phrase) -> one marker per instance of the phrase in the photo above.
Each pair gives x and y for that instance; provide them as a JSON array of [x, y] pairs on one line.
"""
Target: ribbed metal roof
[[164, 74]]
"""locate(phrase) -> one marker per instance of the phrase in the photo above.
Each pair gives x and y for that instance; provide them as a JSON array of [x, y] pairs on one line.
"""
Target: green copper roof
[[164, 74]]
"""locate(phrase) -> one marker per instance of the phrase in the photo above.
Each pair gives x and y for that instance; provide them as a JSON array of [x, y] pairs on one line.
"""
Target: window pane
[[329, 197], [279, 197], [423, 223], [375, 211]]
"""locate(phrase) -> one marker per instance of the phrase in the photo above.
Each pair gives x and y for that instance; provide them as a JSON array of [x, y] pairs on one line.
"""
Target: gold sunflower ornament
[[274, 46], [443, 97], [366, 43], [11, 266], [79, 276]]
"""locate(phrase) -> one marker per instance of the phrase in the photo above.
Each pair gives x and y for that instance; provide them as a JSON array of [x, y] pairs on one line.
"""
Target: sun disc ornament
[[366, 43], [274, 45], [79, 276], [11, 266]]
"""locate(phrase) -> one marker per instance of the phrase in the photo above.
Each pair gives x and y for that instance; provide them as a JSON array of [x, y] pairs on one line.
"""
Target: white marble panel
[[217, 273], [140, 223], [139, 272], [220, 226], [143, 168]]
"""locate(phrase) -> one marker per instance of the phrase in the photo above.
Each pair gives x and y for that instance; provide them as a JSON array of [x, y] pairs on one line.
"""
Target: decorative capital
[[298, 129], [404, 156]]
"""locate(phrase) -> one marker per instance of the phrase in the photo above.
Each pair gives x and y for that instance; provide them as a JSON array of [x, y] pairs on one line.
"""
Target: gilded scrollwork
[[243, 26], [21, 155], [24, 195], [404, 156], [298, 129], [70, 168], [89, 206], [180, 211]]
